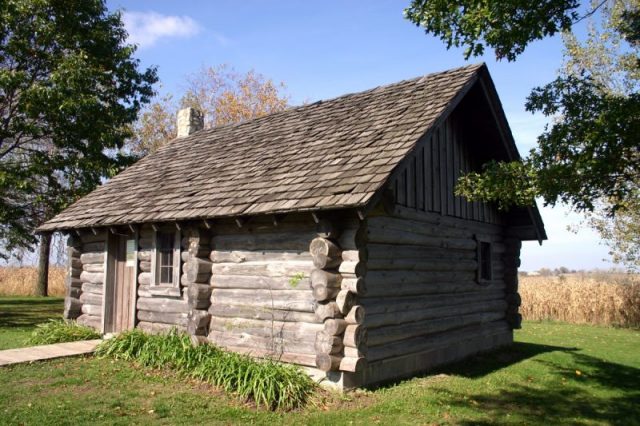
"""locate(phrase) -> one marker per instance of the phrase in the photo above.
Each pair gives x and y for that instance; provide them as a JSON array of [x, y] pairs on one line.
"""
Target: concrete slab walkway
[[37, 353]]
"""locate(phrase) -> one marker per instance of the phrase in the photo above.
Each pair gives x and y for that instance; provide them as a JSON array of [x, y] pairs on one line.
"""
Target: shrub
[[60, 331], [268, 383]]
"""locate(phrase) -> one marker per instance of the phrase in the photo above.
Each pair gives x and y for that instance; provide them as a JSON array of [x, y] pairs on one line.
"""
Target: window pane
[[165, 257]]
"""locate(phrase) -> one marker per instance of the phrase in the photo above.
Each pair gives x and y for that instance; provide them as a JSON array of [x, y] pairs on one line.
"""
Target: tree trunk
[[43, 265]]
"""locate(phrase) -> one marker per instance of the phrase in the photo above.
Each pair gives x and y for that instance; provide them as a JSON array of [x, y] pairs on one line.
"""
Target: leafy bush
[[268, 383], [60, 331]]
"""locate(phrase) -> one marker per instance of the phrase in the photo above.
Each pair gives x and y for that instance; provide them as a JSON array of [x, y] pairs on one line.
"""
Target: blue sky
[[325, 49]]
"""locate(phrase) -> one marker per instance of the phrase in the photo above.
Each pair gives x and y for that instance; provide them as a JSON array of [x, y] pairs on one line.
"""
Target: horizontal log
[[327, 362], [73, 292], [199, 296], [144, 278], [159, 328], [435, 341], [417, 227], [283, 299], [290, 241], [258, 282], [74, 262], [308, 359], [94, 247], [95, 310], [92, 257], [327, 310], [355, 285], [384, 335], [240, 256], [325, 253], [401, 317], [144, 255], [145, 243], [355, 255], [261, 313], [304, 332], [327, 228], [418, 264], [74, 272], [353, 364], [355, 352], [444, 221], [90, 321], [392, 236], [394, 251], [70, 281], [92, 288], [410, 303], [93, 267], [162, 304], [72, 307], [277, 346], [266, 269], [92, 277], [91, 298], [514, 299], [322, 293], [163, 317], [350, 267], [197, 270], [334, 326], [74, 252], [198, 340], [345, 301], [355, 335], [322, 278], [328, 344], [355, 315], [143, 291], [145, 266]]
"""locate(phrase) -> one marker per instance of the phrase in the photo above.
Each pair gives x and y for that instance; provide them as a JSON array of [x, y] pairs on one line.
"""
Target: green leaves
[[505, 26], [69, 90], [60, 331]]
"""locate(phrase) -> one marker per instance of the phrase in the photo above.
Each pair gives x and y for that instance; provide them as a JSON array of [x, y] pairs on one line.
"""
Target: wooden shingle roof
[[326, 155]]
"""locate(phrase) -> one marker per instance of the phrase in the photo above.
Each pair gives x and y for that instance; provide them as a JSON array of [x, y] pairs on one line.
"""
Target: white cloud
[[146, 28]]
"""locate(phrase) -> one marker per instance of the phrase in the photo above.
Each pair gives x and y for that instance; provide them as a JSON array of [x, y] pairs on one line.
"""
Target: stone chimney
[[189, 120]]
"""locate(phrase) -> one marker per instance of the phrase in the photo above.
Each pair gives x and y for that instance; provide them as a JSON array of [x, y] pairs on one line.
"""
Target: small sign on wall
[[131, 252]]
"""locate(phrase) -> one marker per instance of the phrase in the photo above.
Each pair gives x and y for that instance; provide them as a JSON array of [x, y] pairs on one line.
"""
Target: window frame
[[484, 249], [156, 287]]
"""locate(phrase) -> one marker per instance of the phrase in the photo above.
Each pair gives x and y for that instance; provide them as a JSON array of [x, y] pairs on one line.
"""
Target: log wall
[[424, 305], [85, 279]]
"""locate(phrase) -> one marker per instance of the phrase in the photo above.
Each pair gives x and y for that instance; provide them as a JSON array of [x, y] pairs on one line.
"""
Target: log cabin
[[326, 236]]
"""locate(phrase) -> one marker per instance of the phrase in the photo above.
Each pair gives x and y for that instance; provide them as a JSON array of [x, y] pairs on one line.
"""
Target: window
[[165, 263], [485, 270]]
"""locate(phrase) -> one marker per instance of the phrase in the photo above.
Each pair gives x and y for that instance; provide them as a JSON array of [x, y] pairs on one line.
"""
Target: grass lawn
[[555, 374], [19, 315]]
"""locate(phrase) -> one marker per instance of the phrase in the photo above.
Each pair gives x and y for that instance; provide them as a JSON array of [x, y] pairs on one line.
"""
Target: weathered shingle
[[328, 154]]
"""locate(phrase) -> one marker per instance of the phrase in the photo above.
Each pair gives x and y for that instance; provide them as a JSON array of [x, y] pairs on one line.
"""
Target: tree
[[224, 96], [589, 156], [69, 90]]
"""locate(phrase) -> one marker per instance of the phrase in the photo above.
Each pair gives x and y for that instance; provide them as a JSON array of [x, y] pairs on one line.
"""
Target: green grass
[[60, 331], [20, 315], [554, 374]]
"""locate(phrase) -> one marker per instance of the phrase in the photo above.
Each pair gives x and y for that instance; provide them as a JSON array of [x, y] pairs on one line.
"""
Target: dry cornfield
[[21, 281], [582, 298]]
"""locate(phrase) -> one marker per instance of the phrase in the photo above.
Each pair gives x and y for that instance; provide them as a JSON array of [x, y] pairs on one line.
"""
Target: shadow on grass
[[602, 392], [28, 312]]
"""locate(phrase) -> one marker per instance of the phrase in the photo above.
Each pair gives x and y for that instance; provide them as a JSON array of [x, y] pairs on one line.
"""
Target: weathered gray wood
[[327, 310], [72, 307], [144, 278], [144, 255], [384, 335], [285, 240], [401, 317], [327, 344], [258, 282], [334, 326], [355, 285], [353, 364], [144, 266], [307, 359], [258, 299], [96, 246], [72, 282], [418, 264], [327, 228], [92, 288], [199, 296], [325, 253], [93, 267], [355, 255], [92, 257], [417, 227], [350, 267], [276, 345], [74, 272], [322, 293], [326, 362], [355, 352], [240, 256], [162, 304], [355, 315], [197, 340], [261, 313], [145, 243], [304, 332], [322, 278], [163, 317], [355, 335], [266, 269], [409, 303], [73, 292], [159, 328], [345, 301], [91, 298], [95, 310], [75, 262], [90, 321], [92, 277], [393, 236], [197, 270]]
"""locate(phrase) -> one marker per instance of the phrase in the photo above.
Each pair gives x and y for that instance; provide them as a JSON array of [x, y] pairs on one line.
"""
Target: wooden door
[[120, 297]]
